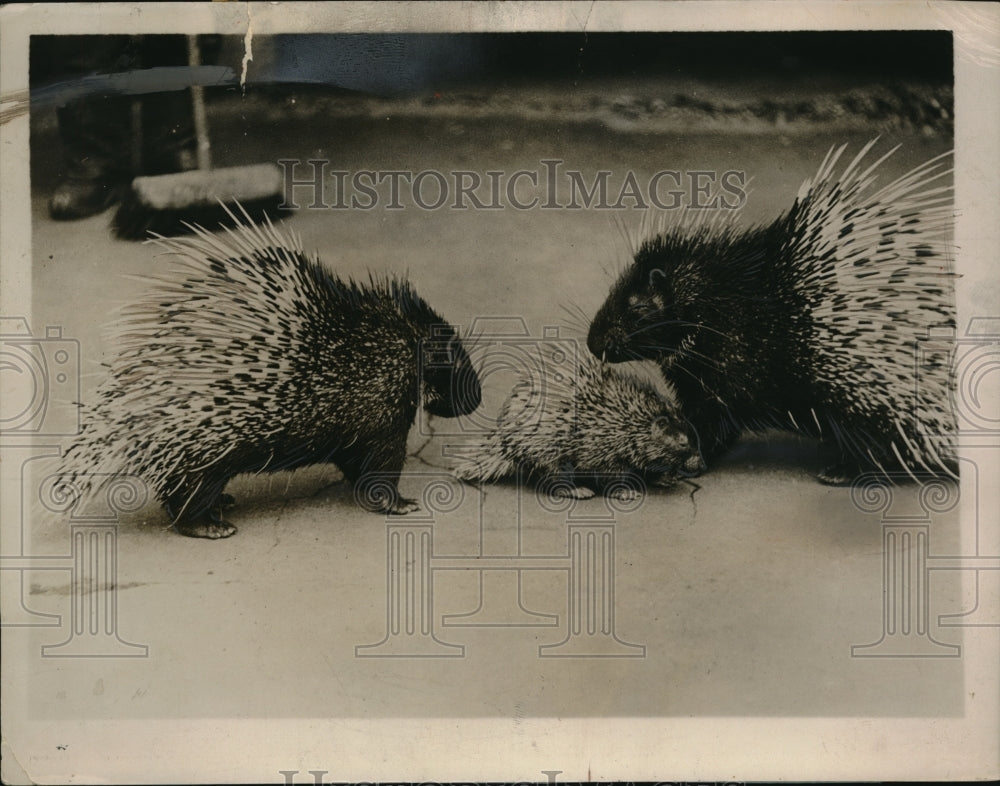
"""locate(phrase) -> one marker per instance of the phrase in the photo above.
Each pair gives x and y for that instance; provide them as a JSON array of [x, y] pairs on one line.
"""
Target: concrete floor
[[746, 597]]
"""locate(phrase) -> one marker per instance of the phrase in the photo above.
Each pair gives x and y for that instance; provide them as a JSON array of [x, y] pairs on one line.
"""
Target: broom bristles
[[164, 203], [200, 187]]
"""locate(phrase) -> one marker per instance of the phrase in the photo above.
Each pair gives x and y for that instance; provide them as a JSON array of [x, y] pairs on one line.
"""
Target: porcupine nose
[[693, 466], [595, 343], [604, 344]]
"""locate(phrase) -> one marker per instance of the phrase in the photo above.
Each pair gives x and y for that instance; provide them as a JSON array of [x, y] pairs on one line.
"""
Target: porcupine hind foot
[[206, 527], [199, 521]]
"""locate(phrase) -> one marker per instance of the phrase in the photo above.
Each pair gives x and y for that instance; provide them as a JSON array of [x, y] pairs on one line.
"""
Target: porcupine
[[250, 356], [808, 324], [597, 427]]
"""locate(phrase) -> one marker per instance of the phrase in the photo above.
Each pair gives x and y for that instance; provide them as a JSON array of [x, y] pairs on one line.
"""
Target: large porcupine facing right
[[811, 323], [249, 356]]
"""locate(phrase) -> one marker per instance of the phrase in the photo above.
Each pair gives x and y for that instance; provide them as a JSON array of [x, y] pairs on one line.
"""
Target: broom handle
[[198, 107], [135, 155]]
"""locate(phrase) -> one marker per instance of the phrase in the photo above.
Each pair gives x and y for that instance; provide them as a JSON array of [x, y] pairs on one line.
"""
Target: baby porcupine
[[808, 324], [250, 356], [595, 427]]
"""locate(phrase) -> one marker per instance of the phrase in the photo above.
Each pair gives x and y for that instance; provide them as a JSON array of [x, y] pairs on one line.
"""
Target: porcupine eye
[[657, 300], [667, 433], [646, 308], [654, 327], [631, 323], [672, 440]]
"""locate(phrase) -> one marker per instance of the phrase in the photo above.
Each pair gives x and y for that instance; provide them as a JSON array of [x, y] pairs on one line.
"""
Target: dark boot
[[108, 140], [95, 133]]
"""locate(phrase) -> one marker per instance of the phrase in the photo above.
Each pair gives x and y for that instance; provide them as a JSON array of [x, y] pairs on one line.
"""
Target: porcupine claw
[[402, 506]]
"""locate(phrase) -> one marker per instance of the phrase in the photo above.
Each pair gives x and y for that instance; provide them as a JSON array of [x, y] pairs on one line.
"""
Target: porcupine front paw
[[402, 506], [573, 492], [667, 480], [624, 494], [842, 473], [379, 494]]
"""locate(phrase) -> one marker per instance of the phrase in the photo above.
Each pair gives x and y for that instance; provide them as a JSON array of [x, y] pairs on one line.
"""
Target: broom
[[166, 204]]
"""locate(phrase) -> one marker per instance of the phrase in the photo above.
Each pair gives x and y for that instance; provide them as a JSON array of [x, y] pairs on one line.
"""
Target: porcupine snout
[[689, 461], [466, 391], [607, 343], [693, 466], [612, 330]]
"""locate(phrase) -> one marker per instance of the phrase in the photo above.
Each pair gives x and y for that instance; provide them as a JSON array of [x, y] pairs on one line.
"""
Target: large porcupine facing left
[[811, 323], [250, 356]]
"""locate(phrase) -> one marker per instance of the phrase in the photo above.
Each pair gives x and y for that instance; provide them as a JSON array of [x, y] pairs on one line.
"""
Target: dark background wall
[[394, 63]]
